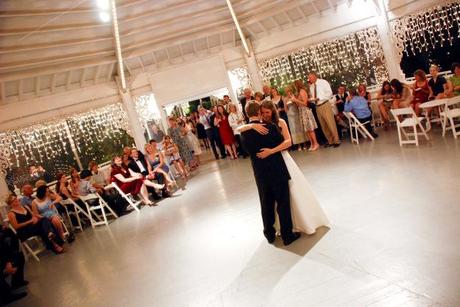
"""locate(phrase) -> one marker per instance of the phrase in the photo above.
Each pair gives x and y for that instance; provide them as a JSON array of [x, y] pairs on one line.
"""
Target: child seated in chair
[[359, 106]]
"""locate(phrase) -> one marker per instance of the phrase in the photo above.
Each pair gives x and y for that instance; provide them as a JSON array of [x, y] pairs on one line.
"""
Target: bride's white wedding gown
[[307, 214]]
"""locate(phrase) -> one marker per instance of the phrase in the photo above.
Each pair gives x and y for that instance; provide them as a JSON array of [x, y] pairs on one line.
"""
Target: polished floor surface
[[394, 239]]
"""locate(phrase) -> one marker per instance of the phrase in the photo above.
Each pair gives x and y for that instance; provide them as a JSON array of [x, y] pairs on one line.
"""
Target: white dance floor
[[395, 216]]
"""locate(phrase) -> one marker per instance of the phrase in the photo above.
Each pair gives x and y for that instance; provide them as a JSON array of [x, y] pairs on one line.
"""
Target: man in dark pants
[[205, 120], [223, 153], [11, 264], [272, 177]]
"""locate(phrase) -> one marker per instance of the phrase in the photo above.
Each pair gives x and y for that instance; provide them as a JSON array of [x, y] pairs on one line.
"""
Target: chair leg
[[452, 124], [415, 135], [399, 136], [444, 125]]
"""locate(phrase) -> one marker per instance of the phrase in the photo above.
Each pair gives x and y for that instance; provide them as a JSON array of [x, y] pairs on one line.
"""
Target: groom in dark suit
[[272, 177]]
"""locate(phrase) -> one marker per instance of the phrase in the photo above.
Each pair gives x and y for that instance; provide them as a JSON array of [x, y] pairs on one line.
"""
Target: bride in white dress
[[307, 214]]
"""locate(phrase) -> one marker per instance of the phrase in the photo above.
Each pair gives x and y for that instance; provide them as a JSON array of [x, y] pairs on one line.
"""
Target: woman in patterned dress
[[307, 119], [295, 127], [175, 132]]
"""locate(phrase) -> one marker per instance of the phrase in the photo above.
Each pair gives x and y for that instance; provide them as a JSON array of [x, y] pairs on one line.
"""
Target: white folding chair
[[73, 209], [448, 116], [88, 200], [135, 204], [357, 127], [406, 118], [30, 247]]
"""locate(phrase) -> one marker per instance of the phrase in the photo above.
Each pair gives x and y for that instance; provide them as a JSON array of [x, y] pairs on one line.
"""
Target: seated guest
[[62, 188], [74, 180], [420, 90], [173, 157], [454, 81], [45, 205], [28, 225], [27, 198], [360, 108], [139, 165], [11, 264], [437, 83], [385, 97], [362, 91], [401, 94], [86, 186], [133, 185], [98, 179], [156, 162]]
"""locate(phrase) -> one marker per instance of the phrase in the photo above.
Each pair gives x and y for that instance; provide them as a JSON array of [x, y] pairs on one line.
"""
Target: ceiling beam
[[2, 91], [96, 74], [69, 80], [53, 83], [141, 64], [128, 68], [315, 7], [238, 28], [110, 72], [20, 89], [301, 11], [82, 77], [37, 86]]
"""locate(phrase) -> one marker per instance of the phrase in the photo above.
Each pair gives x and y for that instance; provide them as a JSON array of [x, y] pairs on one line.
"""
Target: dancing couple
[[280, 182]]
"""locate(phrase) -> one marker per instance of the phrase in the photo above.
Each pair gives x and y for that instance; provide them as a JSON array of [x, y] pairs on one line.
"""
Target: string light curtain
[[428, 29], [97, 134], [352, 59], [240, 79]]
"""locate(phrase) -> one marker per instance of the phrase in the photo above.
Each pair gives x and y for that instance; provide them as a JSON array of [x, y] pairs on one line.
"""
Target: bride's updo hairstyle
[[271, 106]]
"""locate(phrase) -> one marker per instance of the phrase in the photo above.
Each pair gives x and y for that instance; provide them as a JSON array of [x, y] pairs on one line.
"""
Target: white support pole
[[134, 123], [392, 60], [253, 69], [161, 110]]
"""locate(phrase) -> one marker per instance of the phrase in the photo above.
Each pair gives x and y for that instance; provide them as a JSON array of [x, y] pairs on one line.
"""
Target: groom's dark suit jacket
[[272, 169]]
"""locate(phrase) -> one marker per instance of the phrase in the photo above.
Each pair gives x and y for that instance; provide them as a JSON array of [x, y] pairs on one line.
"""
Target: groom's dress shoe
[[295, 236], [270, 239]]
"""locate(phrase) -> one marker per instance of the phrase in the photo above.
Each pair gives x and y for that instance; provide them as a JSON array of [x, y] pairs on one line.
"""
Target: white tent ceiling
[[63, 44]]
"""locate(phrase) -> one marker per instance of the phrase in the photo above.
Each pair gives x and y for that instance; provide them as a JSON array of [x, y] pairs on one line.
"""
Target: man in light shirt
[[320, 94]]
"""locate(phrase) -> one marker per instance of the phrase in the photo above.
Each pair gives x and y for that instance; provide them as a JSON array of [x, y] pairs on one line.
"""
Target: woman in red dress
[[133, 185], [420, 90], [225, 131]]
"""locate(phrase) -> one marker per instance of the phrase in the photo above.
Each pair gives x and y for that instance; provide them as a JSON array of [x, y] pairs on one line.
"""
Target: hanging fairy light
[[428, 29], [359, 52], [50, 144]]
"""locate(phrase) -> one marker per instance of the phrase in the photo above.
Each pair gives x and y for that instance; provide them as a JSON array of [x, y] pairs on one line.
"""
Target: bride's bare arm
[[265, 152]]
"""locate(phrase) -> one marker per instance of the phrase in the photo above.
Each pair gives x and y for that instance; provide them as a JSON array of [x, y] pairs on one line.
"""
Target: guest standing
[[225, 131], [174, 132], [280, 105], [298, 136], [307, 119], [236, 119], [247, 97], [320, 94], [205, 120]]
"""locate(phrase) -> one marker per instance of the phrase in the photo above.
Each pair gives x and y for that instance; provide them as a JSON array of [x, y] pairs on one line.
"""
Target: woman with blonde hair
[[307, 119], [156, 163], [236, 119]]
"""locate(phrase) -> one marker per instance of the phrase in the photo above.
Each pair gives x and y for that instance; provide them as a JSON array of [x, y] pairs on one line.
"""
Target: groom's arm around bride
[[272, 177]]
